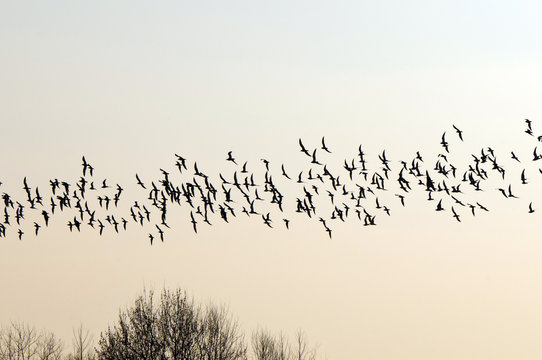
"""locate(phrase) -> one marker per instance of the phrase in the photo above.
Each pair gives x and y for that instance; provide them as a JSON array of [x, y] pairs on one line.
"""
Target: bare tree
[[49, 347], [266, 346], [19, 341], [220, 336], [179, 325], [82, 345], [172, 329], [137, 334], [302, 350]]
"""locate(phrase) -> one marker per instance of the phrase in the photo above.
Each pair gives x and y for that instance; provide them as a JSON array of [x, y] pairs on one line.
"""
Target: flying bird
[[324, 147], [459, 132], [364, 188], [230, 158], [444, 143], [303, 149]]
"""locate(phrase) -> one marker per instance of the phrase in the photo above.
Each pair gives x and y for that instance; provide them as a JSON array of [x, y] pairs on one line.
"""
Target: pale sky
[[128, 84]]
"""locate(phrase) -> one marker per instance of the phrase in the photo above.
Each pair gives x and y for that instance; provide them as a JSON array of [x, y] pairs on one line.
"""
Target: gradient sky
[[130, 83]]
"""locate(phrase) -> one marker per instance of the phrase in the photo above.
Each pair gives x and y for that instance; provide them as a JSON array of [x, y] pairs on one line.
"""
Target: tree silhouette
[[173, 329], [20, 341], [266, 346], [82, 345]]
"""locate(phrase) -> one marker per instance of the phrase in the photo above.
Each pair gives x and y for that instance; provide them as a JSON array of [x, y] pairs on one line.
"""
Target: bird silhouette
[[324, 147], [360, 188], [459, 132], [230, 158]]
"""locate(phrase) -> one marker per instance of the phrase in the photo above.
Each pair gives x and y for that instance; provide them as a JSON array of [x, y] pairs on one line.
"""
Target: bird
[[266, 162], [523, 178], [314, 161], [361, 155], [402, 198], [267, 220], [101, 227], [241, 192], [230, 158], [456, 216], [482, 206], [286, 223], [510, 195], [85, 166], [45, 215], [324, 147], [459, 132], [194, 222], [303, 149], [444, 143], [161, 232], [36, 227], [6, 216], [284, 172], [529, 128]]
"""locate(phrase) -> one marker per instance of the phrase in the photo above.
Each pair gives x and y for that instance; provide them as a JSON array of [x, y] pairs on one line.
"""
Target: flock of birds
[[323, 195]]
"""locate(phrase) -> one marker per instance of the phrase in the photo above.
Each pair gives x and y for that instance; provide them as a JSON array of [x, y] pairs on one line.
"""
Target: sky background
[[130, 83]]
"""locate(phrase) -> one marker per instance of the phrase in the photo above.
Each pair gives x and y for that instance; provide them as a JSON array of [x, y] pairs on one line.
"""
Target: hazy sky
[[130, 83]]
